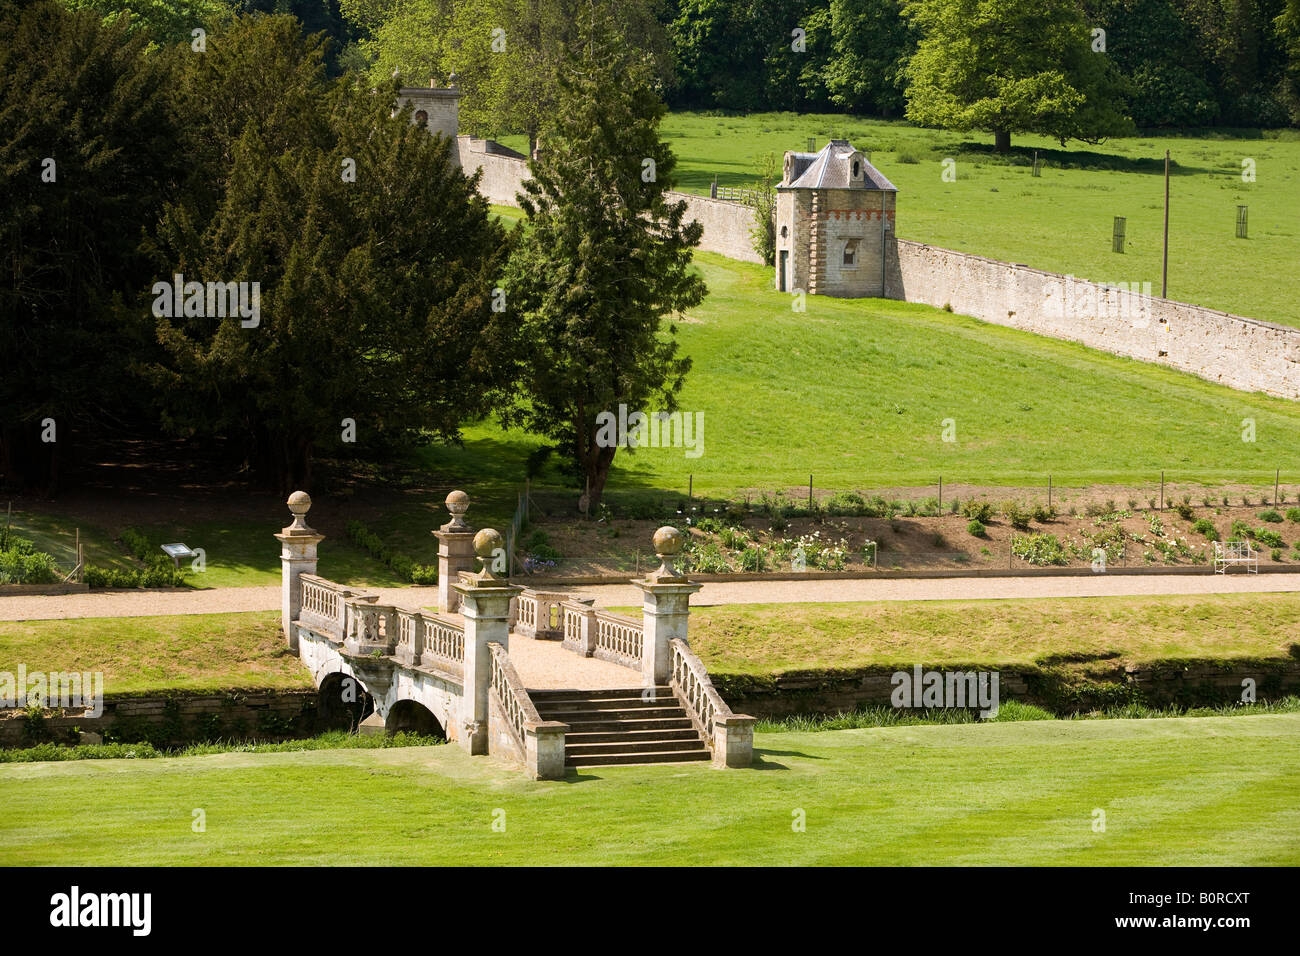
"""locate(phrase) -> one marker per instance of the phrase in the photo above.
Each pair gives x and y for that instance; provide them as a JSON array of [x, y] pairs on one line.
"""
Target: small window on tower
[[851, 252], [421, 118], [857, 169]]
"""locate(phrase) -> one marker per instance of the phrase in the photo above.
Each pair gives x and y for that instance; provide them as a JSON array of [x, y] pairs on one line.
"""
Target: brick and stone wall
[[1229, 349], [169, 721], [1159, 684]]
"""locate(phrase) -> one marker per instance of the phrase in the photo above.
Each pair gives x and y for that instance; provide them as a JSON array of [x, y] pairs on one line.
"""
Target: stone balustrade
[[730, 736], [540, 743], [619, 639], [539, 614]]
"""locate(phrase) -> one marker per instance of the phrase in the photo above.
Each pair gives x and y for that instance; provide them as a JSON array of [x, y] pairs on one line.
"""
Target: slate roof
[[832, 169]]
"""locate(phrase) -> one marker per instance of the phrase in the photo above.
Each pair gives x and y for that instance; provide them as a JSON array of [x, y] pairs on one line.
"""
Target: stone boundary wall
[[726, 224], [1159, 684], [181, 719], [1239, 352]]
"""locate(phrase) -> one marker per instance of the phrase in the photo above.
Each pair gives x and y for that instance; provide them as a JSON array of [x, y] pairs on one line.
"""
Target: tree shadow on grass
[[1088, 160]]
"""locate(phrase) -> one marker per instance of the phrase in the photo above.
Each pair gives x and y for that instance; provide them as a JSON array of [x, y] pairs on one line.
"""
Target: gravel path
[[218, 600]]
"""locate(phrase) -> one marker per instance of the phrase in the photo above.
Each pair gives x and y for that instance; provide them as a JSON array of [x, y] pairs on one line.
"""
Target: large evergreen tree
[[604, 261], [87, 158], [375, 293]]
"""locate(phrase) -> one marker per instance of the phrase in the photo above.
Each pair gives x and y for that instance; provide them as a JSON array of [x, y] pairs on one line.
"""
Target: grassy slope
[[764, 639], [206, 651], [175, 652], [1062, 220], [855, 391], [1175, 792]]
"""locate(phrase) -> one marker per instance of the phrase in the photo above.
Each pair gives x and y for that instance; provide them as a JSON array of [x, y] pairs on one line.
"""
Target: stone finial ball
[[299, 503], [487, 541], [458, 503], [668, 540]]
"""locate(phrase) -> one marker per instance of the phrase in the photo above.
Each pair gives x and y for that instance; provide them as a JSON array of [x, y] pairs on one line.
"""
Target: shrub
[[400, 564], [977, 529], [753, 558], [1043, 515], [980, 511], [137, 544], [1206, 527], [159, 574], [1241, 530], [1293, 514], [21, 563], [1269, 538], [1185, 511], [1276, 554], [846, 504], [1018, 518], [1040, 549], [1271, 516]]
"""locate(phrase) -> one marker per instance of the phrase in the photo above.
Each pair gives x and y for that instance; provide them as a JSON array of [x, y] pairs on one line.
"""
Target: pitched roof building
[[834, 218]]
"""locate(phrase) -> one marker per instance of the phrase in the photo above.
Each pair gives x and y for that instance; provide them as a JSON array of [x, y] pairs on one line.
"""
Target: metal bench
[[1235, 552]]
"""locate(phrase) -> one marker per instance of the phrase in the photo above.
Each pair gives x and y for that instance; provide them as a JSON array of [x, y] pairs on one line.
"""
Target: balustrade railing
[[517, 706], [619, 639], [689, 678], [444, 644]]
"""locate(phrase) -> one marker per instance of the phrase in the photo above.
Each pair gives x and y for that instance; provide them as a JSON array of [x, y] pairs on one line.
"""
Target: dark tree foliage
[[80, 93], [605, 260], [375, 294]]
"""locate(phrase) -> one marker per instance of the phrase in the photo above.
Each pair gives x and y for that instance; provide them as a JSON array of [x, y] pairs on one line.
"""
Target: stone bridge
[[543, 680]]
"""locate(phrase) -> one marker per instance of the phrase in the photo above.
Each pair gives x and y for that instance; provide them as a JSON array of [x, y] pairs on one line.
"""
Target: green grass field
[[770, 638], [776, 410], [1062, 220], [1198, 791], [173, 652]]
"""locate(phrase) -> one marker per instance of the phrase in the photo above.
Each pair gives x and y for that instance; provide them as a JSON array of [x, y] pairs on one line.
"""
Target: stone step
[[575, 718], [604, 706], [634, 758], [619, 726], [580, 694], [630, 747], [631, 736]]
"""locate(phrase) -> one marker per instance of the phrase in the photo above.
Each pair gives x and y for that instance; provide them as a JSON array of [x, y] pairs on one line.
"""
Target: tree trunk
[[596, 469], [1002, 140]]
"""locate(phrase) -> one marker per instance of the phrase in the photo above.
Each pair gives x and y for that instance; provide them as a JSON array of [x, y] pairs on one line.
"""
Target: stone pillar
[[297, 557], [485, 602], [455, 552], [665, 607], [733, 741]]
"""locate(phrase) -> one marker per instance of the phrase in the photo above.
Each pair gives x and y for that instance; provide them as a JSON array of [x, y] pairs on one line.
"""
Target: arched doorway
[[413, 717]]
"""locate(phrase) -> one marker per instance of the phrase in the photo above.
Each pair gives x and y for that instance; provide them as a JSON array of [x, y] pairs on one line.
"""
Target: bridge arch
[[342, 701], [412, 716]]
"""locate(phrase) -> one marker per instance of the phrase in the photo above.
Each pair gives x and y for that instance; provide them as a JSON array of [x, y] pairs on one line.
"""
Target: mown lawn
[[770, 638], [171, 652], [855, 393], [1198, 791]]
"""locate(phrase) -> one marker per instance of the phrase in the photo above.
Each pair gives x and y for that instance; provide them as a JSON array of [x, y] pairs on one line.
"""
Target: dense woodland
[[125, 157]]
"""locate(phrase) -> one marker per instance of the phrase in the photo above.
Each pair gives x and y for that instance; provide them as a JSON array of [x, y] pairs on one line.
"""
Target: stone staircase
[[620, 726]]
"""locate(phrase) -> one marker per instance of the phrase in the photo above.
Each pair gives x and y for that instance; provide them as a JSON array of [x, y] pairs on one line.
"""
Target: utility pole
[[1164, 270]]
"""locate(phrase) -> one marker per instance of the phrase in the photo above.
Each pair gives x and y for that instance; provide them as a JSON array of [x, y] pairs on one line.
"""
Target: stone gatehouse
[[834, 223]]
